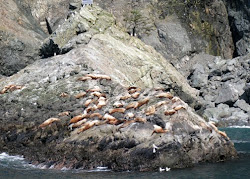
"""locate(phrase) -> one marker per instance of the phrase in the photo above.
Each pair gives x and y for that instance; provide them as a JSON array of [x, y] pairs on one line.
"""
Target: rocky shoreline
[[121, 140], [111, 100]]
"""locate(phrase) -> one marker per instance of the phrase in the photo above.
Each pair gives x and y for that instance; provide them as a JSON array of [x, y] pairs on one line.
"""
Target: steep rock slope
[[20, 37], [110, 50], [176, 28], [23, 27], [151, 129]]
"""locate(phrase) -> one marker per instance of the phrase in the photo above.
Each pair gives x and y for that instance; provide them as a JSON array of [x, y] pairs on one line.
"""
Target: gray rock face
[[239, 15], [177, 28], [24, 26], [20, 37]]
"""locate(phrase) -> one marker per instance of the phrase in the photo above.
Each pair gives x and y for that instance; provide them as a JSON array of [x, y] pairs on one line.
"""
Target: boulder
[[242, 105], [228, 94]]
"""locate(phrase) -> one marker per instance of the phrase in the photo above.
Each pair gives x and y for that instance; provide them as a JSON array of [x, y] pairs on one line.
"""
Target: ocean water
[[15, 167]]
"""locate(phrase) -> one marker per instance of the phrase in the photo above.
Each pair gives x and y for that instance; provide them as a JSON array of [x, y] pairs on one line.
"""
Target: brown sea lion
[[95, 89], [175, 99], [134, 90], [160, 103], [64, 95], [140, 119], [48, 122], [88, 125], [96, 115], [118, 104], [132, 105], [78, 118], [10, 88], [177, 108], [98, 76], [135, 95], [159, 129], [165, 95], [142, 102], [84, 78], [101, 102], [150, 110], [169, 112], [80, 95], [79, 123], [88, 102], [125, 97], [66, 113], [119, 110]]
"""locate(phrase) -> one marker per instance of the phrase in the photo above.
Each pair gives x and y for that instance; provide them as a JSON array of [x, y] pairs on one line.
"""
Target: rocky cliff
[[106, 99], [176, 28], [239, 15], [20, 37]]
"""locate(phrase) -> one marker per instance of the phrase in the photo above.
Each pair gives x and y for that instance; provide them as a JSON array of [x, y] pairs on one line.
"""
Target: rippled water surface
[[15, 167]]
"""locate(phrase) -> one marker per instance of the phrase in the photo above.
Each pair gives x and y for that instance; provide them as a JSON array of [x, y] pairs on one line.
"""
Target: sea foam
[[239, 127]]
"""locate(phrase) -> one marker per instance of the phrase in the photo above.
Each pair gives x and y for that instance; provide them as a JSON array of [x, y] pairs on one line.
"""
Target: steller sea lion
[[96, 115], [119, 110], [159, 104], [169, 112], [125, 97], [85, 78], [95, 89], [98, 76], [135, 95], [97, 94], [63, 95], [132, 105], [177, 108], [78, 118], [87, 126], [10, 88], [118, 104], [48, 122], [150, 110], [165, 95], [78, 124], [140, 119], [131, 91], [142, 102], [130, 115], [126, 123], [159, 129], [80, 95], [175, 99], [66, 113]]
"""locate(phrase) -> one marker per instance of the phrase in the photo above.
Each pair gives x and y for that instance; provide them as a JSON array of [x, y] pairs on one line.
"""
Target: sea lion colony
[[133, 106]]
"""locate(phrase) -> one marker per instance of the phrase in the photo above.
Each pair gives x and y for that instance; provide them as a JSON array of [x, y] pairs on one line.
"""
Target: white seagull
[[154, 148]]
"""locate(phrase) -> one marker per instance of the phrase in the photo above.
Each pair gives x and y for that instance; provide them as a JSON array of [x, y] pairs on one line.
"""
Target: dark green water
[[13, 167]]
